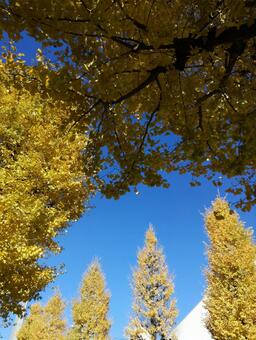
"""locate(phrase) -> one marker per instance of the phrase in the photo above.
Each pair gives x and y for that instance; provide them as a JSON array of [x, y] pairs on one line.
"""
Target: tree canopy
[[154, 309], [45, 322], [90, 312], [231, 275], [163, 85], [43, 185]]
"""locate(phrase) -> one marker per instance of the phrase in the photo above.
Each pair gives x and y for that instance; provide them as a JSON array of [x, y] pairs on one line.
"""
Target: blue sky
[[113, 231]]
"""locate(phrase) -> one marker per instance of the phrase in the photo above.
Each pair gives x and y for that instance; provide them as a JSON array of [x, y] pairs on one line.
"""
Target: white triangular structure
[[193, 327], [16, 328], [18, 324]]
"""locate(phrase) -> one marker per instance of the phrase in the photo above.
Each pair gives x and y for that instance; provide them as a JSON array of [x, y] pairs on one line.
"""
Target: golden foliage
[[42, 184], [45, 323], [90, 312], [164, 85], [153, 308], [231, 293]]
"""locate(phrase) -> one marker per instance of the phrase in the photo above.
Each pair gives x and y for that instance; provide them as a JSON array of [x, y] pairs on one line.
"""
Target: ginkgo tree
[[43, 186], [90, 311], [45, 322], [163, 85], [154, 308], [231, 275]]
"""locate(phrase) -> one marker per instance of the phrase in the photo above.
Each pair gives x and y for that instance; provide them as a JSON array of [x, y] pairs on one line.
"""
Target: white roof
[[192, 327]]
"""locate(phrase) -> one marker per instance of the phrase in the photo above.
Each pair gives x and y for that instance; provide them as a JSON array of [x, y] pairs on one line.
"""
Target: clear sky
[[113, 231]]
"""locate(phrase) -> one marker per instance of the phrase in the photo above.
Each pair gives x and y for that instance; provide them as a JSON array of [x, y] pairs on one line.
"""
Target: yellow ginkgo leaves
[[154, 309], [231, 293], [163, 85], [42, 188], [90, 312], [45, 322]]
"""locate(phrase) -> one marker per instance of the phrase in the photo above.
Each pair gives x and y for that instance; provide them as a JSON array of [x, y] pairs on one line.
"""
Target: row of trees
[[230, 296], [89, 313]]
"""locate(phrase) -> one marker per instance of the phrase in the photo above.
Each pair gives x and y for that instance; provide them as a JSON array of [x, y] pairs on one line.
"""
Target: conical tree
[[154, 309], [90, 313], [231, 275], [45, 323]]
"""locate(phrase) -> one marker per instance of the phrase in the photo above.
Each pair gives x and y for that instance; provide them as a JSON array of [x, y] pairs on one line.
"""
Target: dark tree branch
[[235, 51], [152, 115], [225, 95], [135, 22], [152, 77], [118, 139], [147, 128], [232, 35], [146, 131], [212, 17], [150, 9], [72, 20], [236, 36], [127, 42], [101, 120], [85, 7], [183, 47], [207, 96], [85, 114], [130, 71], [210, 148], [200, 118]]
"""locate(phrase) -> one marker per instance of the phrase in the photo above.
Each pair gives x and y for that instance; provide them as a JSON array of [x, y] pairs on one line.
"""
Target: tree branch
[[152, 77], [84, 114], [74, 20], [136, 23]]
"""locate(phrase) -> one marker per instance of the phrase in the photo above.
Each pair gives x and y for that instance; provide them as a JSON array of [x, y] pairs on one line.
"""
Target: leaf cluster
[[43, 185], [163, 85], [231, 275]]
